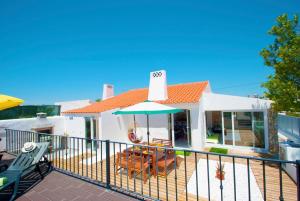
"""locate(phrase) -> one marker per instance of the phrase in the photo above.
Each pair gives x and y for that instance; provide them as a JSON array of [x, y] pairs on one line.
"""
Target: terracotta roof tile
[[179, 93]]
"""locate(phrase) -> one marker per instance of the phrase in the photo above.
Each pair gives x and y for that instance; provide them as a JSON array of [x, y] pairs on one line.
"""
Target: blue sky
[[65, 50]]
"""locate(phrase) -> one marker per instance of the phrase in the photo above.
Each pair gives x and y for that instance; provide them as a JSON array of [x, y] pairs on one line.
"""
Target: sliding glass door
[[88, 132], [243, 131], [228, 128], [259, 129], [236, 128], [91, 124], [182, 129]]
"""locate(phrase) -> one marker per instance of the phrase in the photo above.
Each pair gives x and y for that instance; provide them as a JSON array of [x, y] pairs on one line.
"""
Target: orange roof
[[179, 93]]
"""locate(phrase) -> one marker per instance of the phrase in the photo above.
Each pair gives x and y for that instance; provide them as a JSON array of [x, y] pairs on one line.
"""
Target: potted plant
[[220, 173]]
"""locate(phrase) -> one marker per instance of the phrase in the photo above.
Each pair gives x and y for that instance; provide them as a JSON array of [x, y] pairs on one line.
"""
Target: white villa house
[[208, 119]]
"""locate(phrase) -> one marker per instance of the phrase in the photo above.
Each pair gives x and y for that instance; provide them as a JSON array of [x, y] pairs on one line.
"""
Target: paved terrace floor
[[60, 187]]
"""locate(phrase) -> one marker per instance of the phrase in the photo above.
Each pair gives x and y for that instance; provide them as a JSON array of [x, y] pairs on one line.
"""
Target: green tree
[[283, 87]]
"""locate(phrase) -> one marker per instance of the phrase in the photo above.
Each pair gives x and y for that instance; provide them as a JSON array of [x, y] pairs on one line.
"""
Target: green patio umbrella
[[148, 108]]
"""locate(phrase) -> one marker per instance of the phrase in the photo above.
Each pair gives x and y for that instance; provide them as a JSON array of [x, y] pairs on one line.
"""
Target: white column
[[223, 136], [92, 127], [97, 128], [253, 134], [188, 129], [233, 115], [173, 133]]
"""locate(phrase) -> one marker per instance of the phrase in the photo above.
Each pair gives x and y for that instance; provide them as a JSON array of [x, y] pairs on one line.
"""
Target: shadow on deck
[[57, 186]]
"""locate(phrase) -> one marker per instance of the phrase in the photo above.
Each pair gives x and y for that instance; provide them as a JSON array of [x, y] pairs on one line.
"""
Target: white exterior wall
[[57, 122], [29, 124], [220, 102], [198, 126], [74, 126], [113, 127], [158, 126], [70, 105]]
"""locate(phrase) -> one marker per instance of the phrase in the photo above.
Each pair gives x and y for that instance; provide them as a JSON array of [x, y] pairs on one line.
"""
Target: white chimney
[[108, 91], [158, 89]]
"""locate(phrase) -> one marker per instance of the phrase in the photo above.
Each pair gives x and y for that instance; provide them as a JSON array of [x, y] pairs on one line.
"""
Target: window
[[236, 128], [259, 129], [214, 127]]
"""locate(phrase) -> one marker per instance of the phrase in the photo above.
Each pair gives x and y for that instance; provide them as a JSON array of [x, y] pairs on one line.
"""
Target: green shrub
[[182, 153], [218, 150], [29, 111]]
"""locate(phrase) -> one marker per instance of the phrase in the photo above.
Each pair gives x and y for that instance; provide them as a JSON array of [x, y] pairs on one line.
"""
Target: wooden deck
[[170, 189]]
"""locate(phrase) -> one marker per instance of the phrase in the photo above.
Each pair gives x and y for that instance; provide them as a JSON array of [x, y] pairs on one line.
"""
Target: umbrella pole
[[134, 124], [148, 133]]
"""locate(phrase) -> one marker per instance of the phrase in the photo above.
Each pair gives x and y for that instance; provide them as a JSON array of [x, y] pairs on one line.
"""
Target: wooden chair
[[166, 163], [141, 165], [165, 142], [124, 161]]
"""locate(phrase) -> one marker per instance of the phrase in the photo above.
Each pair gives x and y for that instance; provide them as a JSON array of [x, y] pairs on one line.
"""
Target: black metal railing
[[165, 173]]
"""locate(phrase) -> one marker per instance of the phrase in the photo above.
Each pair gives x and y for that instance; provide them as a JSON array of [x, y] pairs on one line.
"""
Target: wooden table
[[150, 155]]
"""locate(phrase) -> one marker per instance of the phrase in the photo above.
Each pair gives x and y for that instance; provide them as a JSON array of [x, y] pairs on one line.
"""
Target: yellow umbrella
[[9, 101]]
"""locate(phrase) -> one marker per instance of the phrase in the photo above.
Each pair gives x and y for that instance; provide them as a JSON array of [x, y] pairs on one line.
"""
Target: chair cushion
[[11, 175]]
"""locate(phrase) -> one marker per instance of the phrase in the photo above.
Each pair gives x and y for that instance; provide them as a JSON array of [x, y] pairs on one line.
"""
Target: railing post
[[298, 179], [6, 140], [107, 145], [38, 137]]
